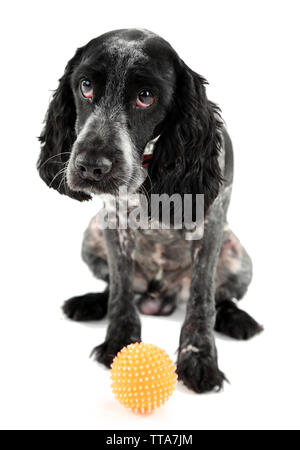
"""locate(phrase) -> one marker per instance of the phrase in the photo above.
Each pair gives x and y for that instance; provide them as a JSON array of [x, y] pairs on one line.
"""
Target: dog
[[129, 112]]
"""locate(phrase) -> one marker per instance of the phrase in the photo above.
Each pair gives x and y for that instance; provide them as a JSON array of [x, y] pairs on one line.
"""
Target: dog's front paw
[[105, 353], [199, 372]]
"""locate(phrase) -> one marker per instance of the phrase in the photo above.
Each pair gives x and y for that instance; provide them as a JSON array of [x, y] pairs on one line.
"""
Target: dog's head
[[118, 93]]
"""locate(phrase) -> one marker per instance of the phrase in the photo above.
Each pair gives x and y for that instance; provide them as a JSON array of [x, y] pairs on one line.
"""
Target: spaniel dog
[[129, 112]]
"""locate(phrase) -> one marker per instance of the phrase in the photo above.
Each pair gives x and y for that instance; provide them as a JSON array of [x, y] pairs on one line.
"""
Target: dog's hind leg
[[82, 308], [234, 274], [92, 306]]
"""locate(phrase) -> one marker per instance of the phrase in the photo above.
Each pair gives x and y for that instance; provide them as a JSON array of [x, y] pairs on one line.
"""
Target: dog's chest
[[157, 247]]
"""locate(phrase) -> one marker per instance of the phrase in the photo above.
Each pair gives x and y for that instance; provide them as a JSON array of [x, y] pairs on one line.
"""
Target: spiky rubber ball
[[143, 377]]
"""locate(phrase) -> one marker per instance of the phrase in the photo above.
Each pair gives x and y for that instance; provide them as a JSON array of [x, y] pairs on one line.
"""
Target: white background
[[249, 52]]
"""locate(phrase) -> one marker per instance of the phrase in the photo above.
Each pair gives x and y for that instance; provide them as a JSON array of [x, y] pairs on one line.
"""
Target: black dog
[[121, 93]]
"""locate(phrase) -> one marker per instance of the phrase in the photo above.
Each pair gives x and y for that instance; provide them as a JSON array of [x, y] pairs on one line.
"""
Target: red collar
[[146, 160]]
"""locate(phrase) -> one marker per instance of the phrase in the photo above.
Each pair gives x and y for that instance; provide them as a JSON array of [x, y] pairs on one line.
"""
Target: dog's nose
[[92, 171]]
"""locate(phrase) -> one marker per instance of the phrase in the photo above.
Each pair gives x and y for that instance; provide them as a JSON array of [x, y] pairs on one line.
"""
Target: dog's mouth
[[107, 185]]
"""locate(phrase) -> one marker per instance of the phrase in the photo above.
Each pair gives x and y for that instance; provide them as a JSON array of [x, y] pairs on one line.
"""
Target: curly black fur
[[186, 156], [58, 135]]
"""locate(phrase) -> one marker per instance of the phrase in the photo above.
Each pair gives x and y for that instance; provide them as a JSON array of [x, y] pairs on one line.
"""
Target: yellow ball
[[143, 377]]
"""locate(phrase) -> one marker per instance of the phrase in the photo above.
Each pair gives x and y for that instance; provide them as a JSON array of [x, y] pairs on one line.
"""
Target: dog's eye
[[145, 99], [86, 88]]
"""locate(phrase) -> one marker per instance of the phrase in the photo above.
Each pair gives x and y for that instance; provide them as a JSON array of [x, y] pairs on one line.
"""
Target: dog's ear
[[185, 159], [58, 135]]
